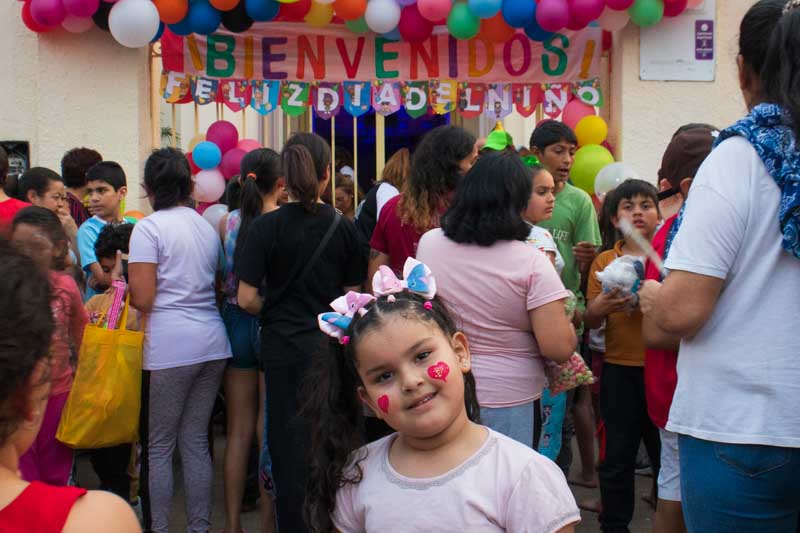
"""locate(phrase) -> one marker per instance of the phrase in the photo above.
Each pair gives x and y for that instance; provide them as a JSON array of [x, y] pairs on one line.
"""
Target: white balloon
[[209, 185], [133, 23], [214, 213], [611, 20], [611, 176], [382, 16], [75, 24]]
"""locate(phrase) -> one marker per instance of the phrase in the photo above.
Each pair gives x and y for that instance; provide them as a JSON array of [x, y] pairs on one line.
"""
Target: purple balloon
[[81, 8], [48, 12], [224, 135]]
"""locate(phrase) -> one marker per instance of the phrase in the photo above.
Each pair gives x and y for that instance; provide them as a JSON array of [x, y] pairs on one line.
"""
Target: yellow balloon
[[591, 130], [197, 139], [320, 15]]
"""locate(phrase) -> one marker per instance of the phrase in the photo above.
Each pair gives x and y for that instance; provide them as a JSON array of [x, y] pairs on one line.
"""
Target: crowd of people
[[397, 360]]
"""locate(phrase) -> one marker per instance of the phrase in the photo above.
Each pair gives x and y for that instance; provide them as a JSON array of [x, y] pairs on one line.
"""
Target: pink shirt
[[491, 289], [70, 320], [504, 486]]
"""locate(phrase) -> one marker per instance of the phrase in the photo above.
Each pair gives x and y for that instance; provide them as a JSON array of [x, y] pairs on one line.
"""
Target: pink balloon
[[612, 20], [81, 8], [75, 24], [434, 10], [413, 26], [619, 5], [693, 4], [673, 8], [575, 111], [248, 145], [224, 135], [552, 15], [209, 185], [583, 12], [231, 162], [48, 12]]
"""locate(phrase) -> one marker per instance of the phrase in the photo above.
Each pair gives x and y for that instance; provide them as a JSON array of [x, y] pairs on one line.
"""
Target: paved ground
[[642, 521]]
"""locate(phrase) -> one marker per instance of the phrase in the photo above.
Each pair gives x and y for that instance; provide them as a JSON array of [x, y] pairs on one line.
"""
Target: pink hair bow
[[418, 279], [345, 308]]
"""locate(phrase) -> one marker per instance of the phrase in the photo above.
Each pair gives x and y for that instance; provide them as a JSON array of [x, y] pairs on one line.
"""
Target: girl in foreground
[[403, 357]]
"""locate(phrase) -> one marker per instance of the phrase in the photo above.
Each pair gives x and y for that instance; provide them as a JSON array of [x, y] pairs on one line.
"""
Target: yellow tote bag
[[102, 409]]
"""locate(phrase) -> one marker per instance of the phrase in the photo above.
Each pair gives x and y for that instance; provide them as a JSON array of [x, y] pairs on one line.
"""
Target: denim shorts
[[515, 421], [244, 333]]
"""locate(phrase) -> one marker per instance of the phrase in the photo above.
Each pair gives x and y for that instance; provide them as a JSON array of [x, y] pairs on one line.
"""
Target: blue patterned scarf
[[767, 129]]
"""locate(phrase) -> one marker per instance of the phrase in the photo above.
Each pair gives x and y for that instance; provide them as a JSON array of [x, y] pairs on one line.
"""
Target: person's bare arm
[[376, 259], [685, 302], [553, 331], [656, 338], [567, 529], [603, 305], [142, 285], [249, 299], [101, 512], [99, 278]]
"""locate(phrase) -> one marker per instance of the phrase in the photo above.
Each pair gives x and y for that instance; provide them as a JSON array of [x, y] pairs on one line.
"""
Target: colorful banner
[[556, 98], [526, 97], [357, 96], [386, 97], [471, 98], [235, 94], [266, 95], [498, 101], [443, 95], [589, 92], [294, 98], [286, 51], [415, 98], [328, 100]]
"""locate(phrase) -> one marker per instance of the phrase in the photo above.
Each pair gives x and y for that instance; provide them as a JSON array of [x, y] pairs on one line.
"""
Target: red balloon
[[32, 25], [585, 11], [194, 168], [414, 27], [495, 29], [294, 12], [673, 8], [575, 24], [231, 162], [619, 5]]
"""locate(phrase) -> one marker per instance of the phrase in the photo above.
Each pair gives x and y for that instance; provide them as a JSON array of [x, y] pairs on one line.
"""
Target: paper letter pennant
[[556, 98], [175, 87], [498, 101], [265, 95], [526, 97], [386, 97], [415, 98], [204, 90], [357, 97], [294, 98], [589, 92], [471, 97], [443, 95], [328, 100], [235, 94]]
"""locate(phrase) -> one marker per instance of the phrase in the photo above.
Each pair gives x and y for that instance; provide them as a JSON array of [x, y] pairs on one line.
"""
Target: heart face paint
[[439, 371], [383, 404]]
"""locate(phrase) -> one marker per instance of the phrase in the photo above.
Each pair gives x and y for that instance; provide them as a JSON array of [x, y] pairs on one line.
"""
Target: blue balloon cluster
[[262, 10], [203, 17], [207, 155], [519, 13], [536, 32]]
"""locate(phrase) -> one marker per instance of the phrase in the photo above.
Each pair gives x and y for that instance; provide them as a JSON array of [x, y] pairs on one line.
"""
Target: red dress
[[41, 508]]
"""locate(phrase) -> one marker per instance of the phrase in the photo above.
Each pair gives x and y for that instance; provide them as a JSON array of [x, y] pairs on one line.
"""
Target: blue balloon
[[206, 155], [204, 18], [536, 32], [262, 10], [181, 28], [393, 35], [159, 33], [485, 8], [518, 13]]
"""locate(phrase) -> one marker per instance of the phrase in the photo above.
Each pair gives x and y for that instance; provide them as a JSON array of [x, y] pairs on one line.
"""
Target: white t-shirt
[[739, 377], [544, 241], [504, 486], [385, 192], [184, 327]]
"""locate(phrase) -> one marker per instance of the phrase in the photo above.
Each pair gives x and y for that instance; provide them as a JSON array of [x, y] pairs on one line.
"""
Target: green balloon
[[358, 25], [646, 13], [462, 23], [589, 160]]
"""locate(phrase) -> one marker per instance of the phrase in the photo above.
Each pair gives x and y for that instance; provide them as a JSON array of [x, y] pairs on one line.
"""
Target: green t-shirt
[[574, 220]]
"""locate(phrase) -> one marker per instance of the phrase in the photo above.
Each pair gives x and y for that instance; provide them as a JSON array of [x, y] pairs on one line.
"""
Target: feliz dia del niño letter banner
[[288, 51]]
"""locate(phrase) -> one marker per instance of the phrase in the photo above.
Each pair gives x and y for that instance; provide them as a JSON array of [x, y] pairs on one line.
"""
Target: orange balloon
[[224, 5], [496, 29], [172, 11], [350, 9], [138, 215]]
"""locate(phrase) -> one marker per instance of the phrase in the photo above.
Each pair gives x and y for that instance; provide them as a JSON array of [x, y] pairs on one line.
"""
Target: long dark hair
[[306, 158], [260, 171], [780, 72], [434, 174], [489, 203], [334, 411], [167, 178]]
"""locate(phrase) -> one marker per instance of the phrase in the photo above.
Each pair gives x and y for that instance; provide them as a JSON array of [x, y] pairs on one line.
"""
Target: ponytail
[[306, 161], [780, 73], [260, 171]]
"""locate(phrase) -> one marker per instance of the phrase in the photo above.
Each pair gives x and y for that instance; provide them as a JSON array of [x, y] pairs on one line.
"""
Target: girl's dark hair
[[780, 69], [435, 173], [36, 179], [260, 170], [48, 222], [167, 178], [26, 326], [76, 163], [113, 237], [306, 158], [608, 230], [489, 203], [334, 411]]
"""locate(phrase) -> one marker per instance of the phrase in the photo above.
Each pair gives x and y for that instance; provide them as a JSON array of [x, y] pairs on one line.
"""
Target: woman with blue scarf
[[733, 297]]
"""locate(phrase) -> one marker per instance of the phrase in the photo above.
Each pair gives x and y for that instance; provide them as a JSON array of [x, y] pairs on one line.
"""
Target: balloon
[[518, 13], [350, 9], [413, 26], [405, 3], [358, 25], [206, 155], [434, 10], [382, 16], [673, 8], [619, 5], [585, 11], [325, 1], [81, 8], [612, 20], [485, 8], [231, 162], [320, 15], [133, 23], [495, 29], [589, 161], [535, 32], [48, 13], [100, 16], [224, 5], [213, 214], [393, 35], [591, 129], [575, 111], [237, 20], [203, 19], [552, 15], [159, 33], [172, 11], [31, 24], [261, 10], [223, 134], [611, 176], [248, 145], [138, 215], [294, 11], [75, 24], [462, 23], [646, 13], [192, 166], [209, 185], [693, 4]]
